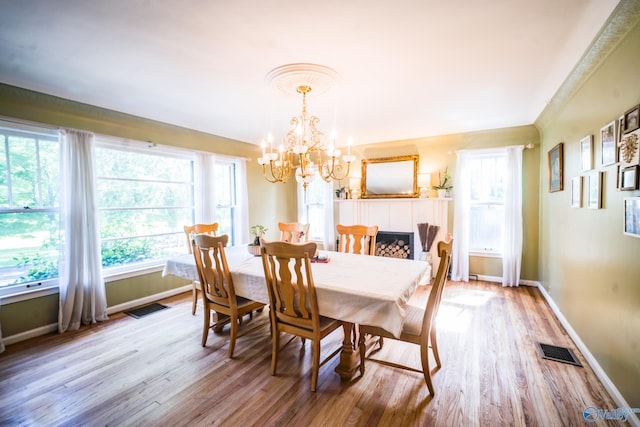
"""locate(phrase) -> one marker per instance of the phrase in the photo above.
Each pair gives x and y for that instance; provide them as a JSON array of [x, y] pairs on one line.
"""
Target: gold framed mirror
[[390, 177]]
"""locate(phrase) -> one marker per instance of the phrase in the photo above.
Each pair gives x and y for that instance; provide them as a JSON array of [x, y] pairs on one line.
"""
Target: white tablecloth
[[359, 289]]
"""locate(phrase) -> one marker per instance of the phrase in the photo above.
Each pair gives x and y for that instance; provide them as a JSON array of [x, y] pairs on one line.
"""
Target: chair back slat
[[357, 239], [294, 232]]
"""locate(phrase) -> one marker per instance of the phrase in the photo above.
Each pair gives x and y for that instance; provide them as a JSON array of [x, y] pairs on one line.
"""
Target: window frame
[[233, 188], [123, 271], [488, 202], [38, 134], [304, 204]]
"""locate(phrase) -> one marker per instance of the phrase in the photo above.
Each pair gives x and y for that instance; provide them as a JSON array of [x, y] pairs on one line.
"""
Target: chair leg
[[195, 297], [206, 326], [233, 334], [274, 349], [424, 359], [362, 349], [434, 346], [316, 364]]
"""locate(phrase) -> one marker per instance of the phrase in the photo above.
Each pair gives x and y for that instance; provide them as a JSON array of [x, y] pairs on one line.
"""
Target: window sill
[[485, 254], [22, 292]]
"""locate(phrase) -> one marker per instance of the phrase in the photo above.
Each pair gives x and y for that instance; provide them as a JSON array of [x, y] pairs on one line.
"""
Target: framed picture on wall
[[629, 179], [576, 192], [595, 190], [608, 144], [586, 152], [632, 119], [632, 216], [620, 129], [555, 162], [630, 149]]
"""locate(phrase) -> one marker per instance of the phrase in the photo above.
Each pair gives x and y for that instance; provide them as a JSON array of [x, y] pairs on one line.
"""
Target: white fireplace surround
[[399, 215]]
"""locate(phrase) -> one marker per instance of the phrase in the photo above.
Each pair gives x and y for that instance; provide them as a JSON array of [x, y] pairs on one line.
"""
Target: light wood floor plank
[[153, 371]]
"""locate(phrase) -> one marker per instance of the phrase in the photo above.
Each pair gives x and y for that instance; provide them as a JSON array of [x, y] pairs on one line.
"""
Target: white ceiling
[[409, 68]]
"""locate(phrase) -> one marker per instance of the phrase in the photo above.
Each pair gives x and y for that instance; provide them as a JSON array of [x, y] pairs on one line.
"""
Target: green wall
[[592, 270]]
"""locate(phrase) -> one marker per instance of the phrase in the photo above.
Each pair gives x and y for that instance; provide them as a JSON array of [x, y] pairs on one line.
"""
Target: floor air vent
[[559, 354], [145, 310]]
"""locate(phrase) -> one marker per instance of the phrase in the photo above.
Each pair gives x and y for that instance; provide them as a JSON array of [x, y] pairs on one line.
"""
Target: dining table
[[355, 289]]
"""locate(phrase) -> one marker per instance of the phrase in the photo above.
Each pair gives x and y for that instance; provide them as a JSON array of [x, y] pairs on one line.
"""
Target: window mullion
[[9, 187]]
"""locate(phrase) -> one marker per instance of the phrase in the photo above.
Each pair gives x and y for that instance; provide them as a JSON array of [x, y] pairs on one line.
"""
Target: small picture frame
[[631, 225], [595, 190], [629, 178], [620, 129], [586, 153], [576, 192], [608, 144], [631, 119], [555, 165]]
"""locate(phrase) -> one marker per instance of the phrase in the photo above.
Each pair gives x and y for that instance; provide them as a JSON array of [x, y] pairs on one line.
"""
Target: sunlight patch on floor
[[456, 311]]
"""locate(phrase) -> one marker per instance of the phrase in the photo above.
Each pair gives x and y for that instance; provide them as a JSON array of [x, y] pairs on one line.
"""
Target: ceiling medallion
[[302, 150], [288, 78]]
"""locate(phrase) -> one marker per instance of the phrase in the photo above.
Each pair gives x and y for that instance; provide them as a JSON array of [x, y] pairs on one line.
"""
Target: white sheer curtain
[[1, 343], [82, 290], [329, 235], [462, 199], [241, 212], [512, 247], [204, 211]]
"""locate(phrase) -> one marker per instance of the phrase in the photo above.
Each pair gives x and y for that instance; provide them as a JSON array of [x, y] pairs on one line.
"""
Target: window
[[312, 207], [29, 207], [487, 203], [145, 197], [224, 181]]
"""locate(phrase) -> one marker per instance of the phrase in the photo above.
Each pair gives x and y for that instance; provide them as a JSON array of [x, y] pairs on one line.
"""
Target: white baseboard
[[32, 333], [499, 280], [591, 360], [53, 327]]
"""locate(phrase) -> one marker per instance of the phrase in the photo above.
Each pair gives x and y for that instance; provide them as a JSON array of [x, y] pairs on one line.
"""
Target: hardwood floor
[[153, 371]]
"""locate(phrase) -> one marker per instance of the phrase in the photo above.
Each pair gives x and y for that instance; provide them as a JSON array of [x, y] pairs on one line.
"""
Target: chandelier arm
[[264, 172]]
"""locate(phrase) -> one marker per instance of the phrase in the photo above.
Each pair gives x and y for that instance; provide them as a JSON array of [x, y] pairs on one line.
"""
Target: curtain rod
[[528, 146]]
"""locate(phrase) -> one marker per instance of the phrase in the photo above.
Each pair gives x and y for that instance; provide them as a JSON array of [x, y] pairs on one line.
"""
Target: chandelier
[[302, 150]]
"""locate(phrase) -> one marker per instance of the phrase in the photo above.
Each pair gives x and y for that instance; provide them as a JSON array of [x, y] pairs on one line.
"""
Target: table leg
[[349, 356]]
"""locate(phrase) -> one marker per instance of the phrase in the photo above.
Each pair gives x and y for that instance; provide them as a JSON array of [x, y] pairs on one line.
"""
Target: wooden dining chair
[[419, 325], [292, 296], [190, 231], [294, 232], [357, 239], [218, 293]]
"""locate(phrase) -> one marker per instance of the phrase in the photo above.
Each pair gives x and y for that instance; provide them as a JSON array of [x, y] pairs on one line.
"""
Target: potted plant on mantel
[[257, 231], [444, 184]]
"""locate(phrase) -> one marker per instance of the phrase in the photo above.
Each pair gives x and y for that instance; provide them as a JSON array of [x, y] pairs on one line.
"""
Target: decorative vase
[[442, 194]]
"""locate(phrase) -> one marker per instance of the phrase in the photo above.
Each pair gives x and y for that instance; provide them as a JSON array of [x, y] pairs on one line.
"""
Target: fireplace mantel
[[398, 215]]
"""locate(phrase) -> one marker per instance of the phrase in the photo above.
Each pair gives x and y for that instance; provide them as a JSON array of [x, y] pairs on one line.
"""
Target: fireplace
[[395, 244]]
